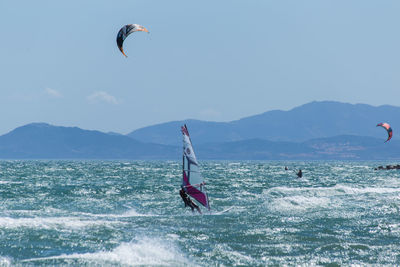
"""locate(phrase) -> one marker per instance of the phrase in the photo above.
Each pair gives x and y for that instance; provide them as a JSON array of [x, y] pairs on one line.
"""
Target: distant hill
[[44, 141], [41, 140], [345, 147], [309, 121], [318, 130]]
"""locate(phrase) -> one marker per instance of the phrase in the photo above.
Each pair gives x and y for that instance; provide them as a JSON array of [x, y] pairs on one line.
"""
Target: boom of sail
[[192, 181]]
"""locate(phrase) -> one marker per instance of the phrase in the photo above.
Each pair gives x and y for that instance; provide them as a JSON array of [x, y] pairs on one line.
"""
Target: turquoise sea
[[129, 213]]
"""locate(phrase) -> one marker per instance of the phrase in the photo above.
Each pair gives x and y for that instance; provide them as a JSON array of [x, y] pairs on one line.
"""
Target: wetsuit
[[188, 201], [300, 174]]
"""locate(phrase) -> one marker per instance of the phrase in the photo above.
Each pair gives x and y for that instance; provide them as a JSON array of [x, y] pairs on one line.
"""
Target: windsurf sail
[[192, 181]]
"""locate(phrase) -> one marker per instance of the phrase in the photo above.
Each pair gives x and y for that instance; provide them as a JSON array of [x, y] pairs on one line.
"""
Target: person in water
[[300, 173], [286, 168], [188, 202]]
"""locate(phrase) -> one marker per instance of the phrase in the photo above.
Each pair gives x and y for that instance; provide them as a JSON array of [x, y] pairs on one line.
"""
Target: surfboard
[[224, 211]]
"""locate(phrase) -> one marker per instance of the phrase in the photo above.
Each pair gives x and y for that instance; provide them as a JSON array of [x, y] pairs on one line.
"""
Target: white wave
[[52, 222], [331, 191], [236, 258], [10, 182], [367, 190], [299, 203], [4, 261], [52, 212], [129, 213], [313, 198], [30, 213], [143, 252]]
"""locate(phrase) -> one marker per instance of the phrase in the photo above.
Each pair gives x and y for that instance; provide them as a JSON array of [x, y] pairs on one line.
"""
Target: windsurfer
[[188, 202]]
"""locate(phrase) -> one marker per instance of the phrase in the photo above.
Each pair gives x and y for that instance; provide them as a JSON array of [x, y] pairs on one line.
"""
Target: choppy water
[[130, 213]]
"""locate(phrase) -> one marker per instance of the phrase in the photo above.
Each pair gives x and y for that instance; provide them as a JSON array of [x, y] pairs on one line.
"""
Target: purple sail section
[[194, 192], [185, 181], [198, 195]]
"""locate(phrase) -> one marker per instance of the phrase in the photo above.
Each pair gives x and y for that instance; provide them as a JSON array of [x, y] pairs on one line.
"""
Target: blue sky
[[208, 60]]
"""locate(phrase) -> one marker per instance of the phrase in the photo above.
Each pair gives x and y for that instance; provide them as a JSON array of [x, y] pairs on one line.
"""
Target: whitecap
[[52, 223], [129, 213], [145, 251], [5, 261]]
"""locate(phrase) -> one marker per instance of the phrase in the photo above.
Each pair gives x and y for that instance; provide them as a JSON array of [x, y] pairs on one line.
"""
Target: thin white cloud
[[53, 93], [101, 96]]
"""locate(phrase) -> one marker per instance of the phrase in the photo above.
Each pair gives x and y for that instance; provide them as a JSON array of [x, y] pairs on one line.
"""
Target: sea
[[129, 213]]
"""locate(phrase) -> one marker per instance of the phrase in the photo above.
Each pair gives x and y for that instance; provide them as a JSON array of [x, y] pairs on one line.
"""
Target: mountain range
[[309, 121], [44, 141], [317, 130]]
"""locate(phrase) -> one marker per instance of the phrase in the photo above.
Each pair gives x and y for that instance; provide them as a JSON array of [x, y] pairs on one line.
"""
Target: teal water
[[121, 213]]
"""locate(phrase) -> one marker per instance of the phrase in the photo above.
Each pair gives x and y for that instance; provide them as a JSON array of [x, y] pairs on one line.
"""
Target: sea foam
[[146, 251]]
